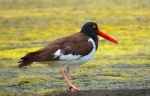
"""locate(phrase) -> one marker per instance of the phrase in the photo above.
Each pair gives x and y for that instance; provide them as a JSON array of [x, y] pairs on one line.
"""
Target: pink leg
[[67, 79], [67, 73]]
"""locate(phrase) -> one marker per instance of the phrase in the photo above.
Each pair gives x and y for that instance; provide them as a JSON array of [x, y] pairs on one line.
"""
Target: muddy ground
[[122, 92]]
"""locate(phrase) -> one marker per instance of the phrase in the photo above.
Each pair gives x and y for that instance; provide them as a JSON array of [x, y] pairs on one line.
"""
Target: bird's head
[[91, 29]]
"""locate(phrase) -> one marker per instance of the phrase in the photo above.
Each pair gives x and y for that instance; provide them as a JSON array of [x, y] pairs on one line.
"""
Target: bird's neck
[[95, 39]]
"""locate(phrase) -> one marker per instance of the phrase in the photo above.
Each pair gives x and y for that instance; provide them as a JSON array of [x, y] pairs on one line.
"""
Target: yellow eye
[[94, 26]]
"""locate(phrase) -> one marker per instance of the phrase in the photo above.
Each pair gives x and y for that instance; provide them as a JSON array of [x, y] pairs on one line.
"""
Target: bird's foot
[[73, 88]]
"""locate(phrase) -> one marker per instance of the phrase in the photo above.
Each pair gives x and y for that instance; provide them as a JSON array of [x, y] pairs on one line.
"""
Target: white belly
[[85, 58]]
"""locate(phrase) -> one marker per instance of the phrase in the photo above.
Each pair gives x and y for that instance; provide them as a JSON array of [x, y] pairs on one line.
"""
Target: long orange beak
[[100, 33]]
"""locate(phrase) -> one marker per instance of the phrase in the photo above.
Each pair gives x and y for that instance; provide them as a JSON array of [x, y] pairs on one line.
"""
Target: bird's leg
[[67, 73], [68, 76], [67, 79]]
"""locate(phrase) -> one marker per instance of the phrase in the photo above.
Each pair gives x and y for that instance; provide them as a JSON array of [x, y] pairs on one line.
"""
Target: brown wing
[[76, 44]]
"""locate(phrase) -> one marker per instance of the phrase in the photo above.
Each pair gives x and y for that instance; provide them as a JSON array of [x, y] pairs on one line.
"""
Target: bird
[[78, 48]]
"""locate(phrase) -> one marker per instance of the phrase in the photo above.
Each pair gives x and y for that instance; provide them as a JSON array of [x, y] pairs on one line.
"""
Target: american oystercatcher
[[78, 48]]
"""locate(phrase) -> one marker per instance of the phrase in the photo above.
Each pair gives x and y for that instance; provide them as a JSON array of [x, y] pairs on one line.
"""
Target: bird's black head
[[91, 29]]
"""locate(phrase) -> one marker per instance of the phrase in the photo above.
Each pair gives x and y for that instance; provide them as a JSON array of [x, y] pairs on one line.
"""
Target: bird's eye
[[94, 26]]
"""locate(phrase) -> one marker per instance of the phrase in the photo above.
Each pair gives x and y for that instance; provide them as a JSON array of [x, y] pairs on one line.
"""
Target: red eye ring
[[94, 26]]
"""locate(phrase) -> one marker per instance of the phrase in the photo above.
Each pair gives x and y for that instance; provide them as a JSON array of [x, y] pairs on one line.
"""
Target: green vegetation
[[27, 25]]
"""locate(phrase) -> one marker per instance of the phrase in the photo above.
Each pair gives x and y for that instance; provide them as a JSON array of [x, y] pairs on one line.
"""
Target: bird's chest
[[86, 58]]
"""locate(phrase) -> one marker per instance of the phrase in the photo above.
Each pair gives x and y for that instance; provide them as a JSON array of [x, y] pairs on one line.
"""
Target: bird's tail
[[27, 59]]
